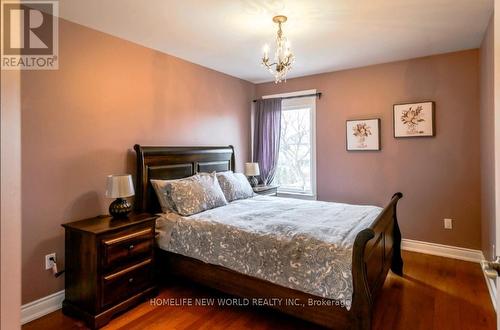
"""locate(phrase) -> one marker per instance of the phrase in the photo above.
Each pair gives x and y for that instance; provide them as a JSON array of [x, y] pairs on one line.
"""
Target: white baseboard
[[441, 250], [43, 306], [492, 289]]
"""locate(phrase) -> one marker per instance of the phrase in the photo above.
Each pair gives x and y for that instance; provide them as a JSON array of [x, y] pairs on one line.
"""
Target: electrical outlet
[[48, 262], [448, 223]]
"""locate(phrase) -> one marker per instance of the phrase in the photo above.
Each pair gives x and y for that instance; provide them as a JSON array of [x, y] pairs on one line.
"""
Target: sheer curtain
[[267, 137]]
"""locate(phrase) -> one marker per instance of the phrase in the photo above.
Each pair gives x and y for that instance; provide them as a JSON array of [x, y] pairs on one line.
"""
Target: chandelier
[[283, 57]]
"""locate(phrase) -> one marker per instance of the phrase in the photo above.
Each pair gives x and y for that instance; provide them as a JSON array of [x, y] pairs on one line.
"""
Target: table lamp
[[119, 187], [251, 171]]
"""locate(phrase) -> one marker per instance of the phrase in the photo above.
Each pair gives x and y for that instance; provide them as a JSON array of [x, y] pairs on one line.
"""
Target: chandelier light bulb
[[265, 50]]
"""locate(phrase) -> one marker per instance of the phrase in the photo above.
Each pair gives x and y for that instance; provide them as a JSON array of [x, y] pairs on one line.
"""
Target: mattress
[[299, 244]]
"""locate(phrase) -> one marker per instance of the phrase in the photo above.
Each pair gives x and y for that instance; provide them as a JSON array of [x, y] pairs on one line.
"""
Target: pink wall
[[79, 124], [487, 111], [440, 176]]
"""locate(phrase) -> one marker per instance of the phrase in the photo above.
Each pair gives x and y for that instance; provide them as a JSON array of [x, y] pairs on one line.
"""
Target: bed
[[375, 249]]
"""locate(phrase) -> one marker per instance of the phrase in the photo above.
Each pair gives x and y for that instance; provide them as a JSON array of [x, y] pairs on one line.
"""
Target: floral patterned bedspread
[[299, 244]]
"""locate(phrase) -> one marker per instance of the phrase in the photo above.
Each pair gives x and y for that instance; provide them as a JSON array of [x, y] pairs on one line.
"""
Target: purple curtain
[[267, 128]]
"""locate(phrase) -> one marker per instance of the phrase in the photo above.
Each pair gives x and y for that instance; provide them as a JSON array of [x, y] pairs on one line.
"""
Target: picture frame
[[416, 119], [363, 134]]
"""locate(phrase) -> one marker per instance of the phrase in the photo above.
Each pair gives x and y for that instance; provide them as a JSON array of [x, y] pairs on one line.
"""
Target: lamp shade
[[119, 186], [252, 169]]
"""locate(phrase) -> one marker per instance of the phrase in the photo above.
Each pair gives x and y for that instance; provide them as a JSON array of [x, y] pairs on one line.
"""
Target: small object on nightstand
[[270, 190], [119, 186], [109, 266], [251, 171]]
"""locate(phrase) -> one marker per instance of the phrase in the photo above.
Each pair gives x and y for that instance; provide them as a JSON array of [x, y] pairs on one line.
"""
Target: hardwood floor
[[435, 293]]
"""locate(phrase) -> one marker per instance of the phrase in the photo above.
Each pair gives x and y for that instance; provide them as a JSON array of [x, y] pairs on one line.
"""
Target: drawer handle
[[127, 270], [127, 237], [130, 280], [131, 247]]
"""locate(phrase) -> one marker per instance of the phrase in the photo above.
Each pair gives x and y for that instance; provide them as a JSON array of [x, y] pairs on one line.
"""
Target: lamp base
[[120, 208], [253, 181]]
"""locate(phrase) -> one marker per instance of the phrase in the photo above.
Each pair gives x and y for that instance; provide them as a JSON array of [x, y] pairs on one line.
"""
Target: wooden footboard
[[376, 249]]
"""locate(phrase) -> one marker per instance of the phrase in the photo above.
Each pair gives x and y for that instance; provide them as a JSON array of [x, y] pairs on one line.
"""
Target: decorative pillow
[[196, 194], [163, 192], [234, 185]]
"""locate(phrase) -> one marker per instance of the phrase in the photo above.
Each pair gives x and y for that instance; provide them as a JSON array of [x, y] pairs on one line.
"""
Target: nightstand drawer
[[266, 190], [134, 245], [127, 282], [270, 192]]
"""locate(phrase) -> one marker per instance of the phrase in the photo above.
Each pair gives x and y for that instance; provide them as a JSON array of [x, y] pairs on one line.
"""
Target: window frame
[[308, 102]]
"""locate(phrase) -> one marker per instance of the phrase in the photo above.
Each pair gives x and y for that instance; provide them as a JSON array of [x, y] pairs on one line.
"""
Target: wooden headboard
[[174, 163]]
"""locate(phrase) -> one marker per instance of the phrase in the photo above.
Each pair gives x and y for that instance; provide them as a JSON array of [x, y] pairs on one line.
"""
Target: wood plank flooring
[[435, 293]]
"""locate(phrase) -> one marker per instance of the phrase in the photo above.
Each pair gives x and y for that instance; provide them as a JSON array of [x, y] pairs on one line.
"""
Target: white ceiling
[[326, 35]]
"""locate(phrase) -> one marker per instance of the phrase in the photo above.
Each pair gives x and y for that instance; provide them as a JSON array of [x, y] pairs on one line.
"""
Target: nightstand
[[271, 190], [109, 266]]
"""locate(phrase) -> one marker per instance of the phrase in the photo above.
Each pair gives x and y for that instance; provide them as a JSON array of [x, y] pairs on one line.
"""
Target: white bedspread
[[303, 245]]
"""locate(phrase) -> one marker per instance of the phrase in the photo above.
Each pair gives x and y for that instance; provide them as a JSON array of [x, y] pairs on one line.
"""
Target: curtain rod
[[294, 97]]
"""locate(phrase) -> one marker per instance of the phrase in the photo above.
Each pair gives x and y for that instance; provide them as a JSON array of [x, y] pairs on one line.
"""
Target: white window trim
[[314, 195], [297, 196]]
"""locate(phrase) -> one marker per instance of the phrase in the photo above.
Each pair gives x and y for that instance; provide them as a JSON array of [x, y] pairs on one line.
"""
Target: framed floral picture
[[363, 134], [414, 119]]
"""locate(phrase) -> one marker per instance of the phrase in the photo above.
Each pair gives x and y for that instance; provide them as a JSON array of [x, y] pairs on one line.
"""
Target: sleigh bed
[[375, 250]]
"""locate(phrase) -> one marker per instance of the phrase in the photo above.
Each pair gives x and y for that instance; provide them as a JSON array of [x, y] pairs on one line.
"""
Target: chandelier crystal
[[283, 57]]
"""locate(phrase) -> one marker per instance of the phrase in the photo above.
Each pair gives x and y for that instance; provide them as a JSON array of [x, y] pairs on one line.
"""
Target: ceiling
[[326, 35]]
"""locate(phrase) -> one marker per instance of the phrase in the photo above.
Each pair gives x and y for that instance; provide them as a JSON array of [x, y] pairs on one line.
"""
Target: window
[[296, 171]]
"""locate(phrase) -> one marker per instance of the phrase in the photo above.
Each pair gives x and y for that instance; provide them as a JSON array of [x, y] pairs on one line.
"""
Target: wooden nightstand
[[266, 190], [109, 266]]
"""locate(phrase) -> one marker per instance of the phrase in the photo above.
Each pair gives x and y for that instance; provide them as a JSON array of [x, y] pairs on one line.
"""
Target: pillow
[[234, 185], [163, 192], [196, 194]]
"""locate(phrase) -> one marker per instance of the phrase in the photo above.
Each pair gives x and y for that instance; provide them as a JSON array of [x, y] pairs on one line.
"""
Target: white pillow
[[196, 194], [234, 185], [163, 191]]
